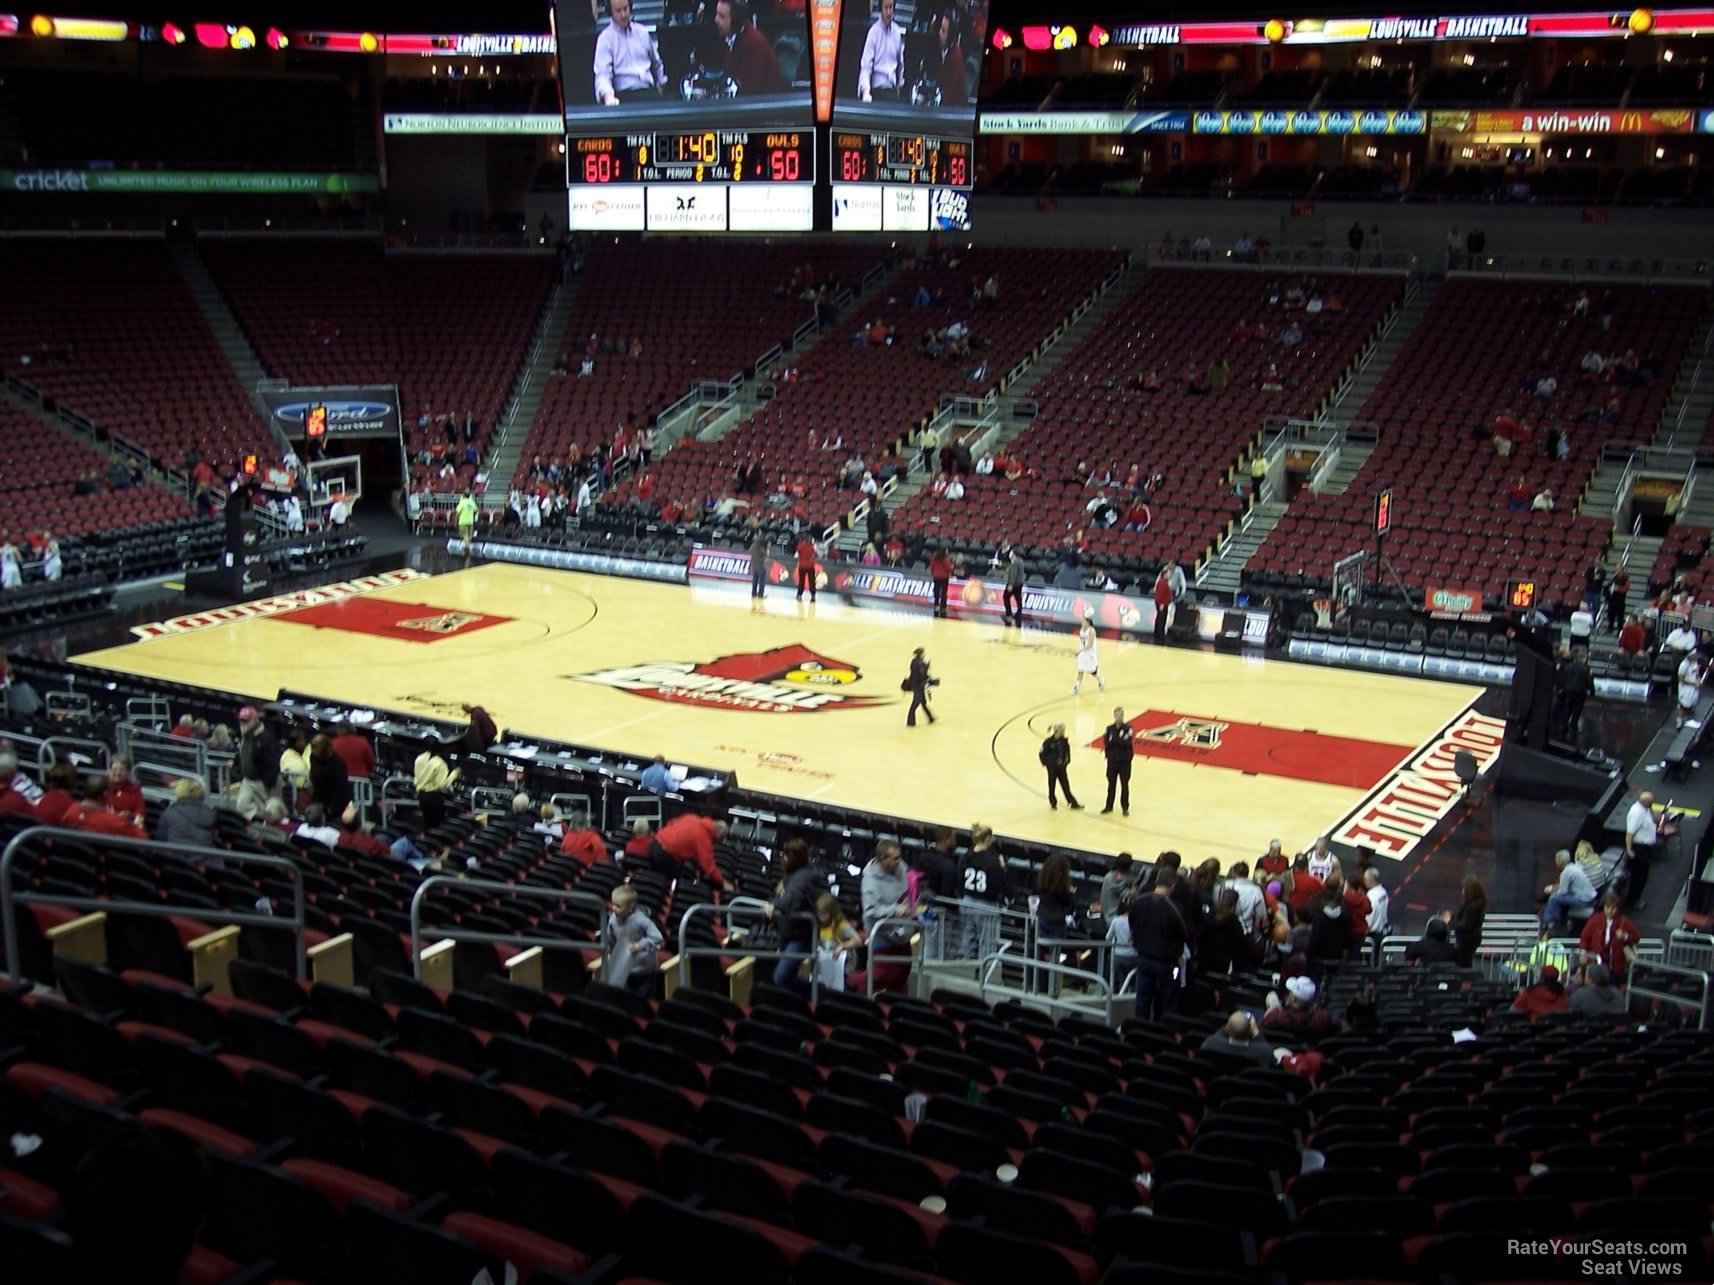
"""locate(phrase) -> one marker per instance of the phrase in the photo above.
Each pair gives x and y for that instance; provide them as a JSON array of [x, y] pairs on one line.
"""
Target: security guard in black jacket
[[1056, 757], [1116, 742]]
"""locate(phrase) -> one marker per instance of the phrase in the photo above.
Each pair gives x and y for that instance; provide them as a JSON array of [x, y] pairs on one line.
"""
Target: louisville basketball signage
[[786, 680]]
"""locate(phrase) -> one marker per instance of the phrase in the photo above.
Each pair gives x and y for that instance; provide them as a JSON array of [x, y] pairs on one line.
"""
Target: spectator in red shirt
[[806, 567], [61, 794], [124, 794], [1163, 604], [691, 839], [1272, 864], [1610, 938], [94, 816], [1357, 909], [585, 846], [352, 835], [186, 727], [1546, 996], [940, 571], [1633, 638], [638, 845], [355, 752], [12, 800], [1305, 887]]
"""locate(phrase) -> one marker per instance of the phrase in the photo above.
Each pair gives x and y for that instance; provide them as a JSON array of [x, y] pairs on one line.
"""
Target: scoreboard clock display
[[1521, 595], [705, 156], [906, 159]]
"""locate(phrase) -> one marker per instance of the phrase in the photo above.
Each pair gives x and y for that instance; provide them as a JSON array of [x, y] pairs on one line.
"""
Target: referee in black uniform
[[1116, 742]]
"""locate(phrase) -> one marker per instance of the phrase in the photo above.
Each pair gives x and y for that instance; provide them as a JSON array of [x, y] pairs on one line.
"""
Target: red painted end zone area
[[405, 621], [1265, 751]]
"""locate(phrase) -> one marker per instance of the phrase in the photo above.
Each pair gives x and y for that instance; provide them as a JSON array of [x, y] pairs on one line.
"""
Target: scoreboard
[[706, 156], [891, 182], [912, 159], [709, 180]]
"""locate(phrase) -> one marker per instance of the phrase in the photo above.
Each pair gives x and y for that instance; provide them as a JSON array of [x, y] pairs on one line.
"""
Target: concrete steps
[[1011, 423], [234, 343], [519, 414], [1348, 402], [1221, 573], [1352, 457]]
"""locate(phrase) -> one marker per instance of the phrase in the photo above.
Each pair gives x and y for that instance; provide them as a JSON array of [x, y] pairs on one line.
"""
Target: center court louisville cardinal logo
[[786, 680]]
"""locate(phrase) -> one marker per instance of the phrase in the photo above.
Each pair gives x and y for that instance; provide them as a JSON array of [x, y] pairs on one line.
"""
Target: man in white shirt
[[628, 65], [881, 74], [1682, 639], [1689, 689], [1641, 833], [1380, 909]]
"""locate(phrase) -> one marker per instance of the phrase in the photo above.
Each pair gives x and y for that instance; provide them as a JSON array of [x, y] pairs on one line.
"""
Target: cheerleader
[[1088, 660], [53, 566]]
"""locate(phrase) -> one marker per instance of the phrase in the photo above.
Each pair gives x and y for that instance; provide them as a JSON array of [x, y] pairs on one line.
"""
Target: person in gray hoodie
[[187, 819], [887, 895]]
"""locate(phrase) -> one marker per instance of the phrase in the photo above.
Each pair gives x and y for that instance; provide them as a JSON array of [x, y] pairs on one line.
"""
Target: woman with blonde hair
[[187, 819]]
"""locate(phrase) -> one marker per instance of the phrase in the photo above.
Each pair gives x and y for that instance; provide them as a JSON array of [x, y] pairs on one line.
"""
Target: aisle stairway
[[507, 446], [234, 343], [1016, 408]]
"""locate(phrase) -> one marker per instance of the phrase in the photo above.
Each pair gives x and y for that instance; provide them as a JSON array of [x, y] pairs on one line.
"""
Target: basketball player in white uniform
[[1088, 660]]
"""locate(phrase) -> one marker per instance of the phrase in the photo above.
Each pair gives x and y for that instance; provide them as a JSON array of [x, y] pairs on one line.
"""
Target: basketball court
[[804, 701]]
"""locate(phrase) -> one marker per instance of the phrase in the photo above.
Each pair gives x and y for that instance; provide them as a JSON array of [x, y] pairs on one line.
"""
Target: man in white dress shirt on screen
[[628, 65], [882, 72]]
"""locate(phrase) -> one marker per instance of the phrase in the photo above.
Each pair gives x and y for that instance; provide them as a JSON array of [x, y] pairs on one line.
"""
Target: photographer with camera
[[917, 685], [1056, 757]]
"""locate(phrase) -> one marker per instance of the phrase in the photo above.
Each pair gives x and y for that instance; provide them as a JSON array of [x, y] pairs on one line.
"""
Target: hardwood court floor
[[804, 701]]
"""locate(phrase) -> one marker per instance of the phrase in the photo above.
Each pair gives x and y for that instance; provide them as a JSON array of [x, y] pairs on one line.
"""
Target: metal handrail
[[1288, 258], [178, 852], [1690, 392], [1664, 994], [1557, 267], [602, 945], [753, 910], [47, 755], [987, 965], [903, 921]]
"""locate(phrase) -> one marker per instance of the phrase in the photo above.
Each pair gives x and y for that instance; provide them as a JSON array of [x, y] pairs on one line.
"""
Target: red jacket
[[52, 806], [357, 755], [1304, 889], [940, 567], [1357, 908], [13, 803], [1163, 592], [1542, 998], [806, 555], [752, 64], [100, 821], [1609, 947], [126, 798], [691, 838], [585, 847]]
